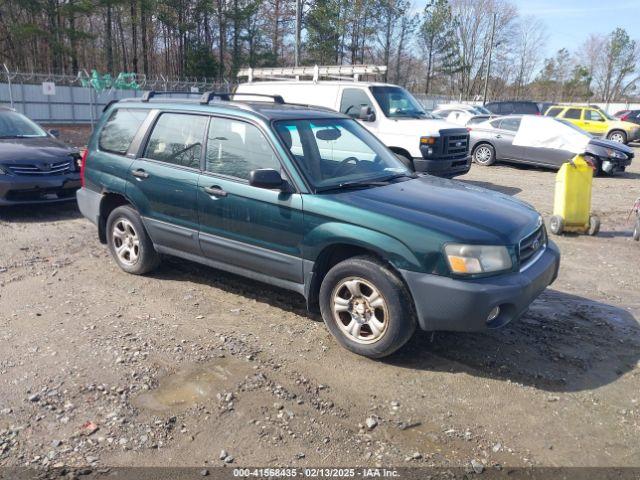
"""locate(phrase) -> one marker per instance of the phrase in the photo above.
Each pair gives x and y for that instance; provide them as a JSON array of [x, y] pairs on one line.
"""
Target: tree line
[[447, 47]]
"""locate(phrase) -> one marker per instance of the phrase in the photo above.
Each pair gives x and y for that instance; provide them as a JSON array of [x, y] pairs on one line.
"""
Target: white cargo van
[[390, 112]]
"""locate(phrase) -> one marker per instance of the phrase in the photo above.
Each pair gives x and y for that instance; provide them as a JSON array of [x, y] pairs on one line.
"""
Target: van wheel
[[617, 136], [129, 243], [366, 307], [484, 154]]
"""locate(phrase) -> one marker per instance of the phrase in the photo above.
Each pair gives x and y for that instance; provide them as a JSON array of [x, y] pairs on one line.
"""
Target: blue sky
[[569, 22]]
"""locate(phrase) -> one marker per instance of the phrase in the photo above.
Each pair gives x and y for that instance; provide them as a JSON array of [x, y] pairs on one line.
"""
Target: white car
[[422, 141], [462, 114]]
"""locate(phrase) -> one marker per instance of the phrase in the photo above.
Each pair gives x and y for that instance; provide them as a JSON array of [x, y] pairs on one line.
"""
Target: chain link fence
[[67, 99]]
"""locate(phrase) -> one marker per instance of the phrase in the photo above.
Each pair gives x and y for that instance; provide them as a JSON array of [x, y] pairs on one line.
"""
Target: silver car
[[492, 141]]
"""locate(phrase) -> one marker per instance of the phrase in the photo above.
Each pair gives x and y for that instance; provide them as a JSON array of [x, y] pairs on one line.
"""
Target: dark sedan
[[495, 140], [34, 166]]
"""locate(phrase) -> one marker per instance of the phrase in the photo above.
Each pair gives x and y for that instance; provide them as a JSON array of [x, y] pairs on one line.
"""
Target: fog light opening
[[493, 314]]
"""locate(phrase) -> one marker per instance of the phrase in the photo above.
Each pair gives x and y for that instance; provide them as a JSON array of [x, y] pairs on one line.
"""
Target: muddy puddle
[[192, 385]]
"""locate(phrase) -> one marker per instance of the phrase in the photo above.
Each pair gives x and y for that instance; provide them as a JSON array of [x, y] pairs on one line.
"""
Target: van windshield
[[396, 102], [339, 153]]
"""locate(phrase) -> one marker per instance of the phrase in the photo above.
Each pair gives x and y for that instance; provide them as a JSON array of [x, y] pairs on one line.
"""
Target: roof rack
[[152, 93], [226, 96], [340, 72]]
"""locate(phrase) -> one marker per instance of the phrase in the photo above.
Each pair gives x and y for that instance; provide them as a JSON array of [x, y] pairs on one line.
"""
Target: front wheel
[[366, 307], [617, 136], [484, 154]]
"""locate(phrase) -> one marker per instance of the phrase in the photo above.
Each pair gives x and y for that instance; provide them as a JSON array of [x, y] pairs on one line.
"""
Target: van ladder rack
[[340, 72]]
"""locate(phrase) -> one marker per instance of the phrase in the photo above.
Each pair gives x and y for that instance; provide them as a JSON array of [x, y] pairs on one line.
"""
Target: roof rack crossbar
[[148, 95], [226, 96]]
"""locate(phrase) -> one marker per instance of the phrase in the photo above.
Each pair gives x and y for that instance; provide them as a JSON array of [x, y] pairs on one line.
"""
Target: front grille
[[531, 245], [54, 168], [456, 145]]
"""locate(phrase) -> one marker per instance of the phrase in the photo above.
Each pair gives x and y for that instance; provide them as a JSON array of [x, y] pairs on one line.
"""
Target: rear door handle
[[215, 191], [140, 173]]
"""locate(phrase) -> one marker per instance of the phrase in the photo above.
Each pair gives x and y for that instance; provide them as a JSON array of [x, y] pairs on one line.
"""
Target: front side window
[[334, 152], [573, 114], [177, 139], [235, 148], [353, 99], [396, 102], [117, 134], [16, 125], [593, 116]]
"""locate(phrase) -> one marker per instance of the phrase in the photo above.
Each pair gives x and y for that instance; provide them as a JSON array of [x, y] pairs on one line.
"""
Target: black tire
[[407, 161], [556, 224], [146, 258], [636, 231], [484, 154], [399, 317], [619, 136], [594, 225]]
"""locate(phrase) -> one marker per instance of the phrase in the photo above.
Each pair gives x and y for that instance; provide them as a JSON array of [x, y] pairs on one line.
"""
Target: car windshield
[[396, 102], [16, 125], [605, 114], [339, 153]]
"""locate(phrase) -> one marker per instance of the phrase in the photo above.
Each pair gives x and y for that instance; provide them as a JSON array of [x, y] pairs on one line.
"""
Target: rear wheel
[[617, 136], [129, 243], [366, 307], [484, 154], [594, 225], [636, 231]]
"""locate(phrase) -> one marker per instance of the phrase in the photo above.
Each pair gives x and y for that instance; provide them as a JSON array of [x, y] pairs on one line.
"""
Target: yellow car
[[594, 120]]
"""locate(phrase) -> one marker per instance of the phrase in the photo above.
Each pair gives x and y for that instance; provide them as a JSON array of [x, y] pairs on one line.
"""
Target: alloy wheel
[[126, 242], [359, 310], [483, 154]]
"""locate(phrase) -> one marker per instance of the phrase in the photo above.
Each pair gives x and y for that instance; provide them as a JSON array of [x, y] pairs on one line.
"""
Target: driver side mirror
[[266, 178], [54, 133], [367, 114]]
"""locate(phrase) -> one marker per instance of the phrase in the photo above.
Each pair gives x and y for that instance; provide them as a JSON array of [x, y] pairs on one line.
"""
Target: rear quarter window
[[553, 112], [120, 129]]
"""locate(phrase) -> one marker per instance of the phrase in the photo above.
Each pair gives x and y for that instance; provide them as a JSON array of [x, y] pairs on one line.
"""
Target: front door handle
[[215, 191], [498, 136], [139, 173]]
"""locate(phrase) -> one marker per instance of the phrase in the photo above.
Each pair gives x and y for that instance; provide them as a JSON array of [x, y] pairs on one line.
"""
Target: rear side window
[[510, 124], [353, 99], [553, 112], [573, 114], [235, 148], [177, 138], [527, 108], [117, 134]]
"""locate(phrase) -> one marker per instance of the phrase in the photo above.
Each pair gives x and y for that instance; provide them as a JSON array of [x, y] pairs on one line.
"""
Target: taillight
[[624, 117], [83, 164]]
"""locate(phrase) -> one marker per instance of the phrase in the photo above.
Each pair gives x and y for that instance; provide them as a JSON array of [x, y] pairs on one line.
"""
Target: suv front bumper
[[449, 304], [441, 167], [27, 189]]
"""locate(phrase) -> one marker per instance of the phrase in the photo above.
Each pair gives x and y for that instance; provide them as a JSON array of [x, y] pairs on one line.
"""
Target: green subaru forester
[[308, 200]]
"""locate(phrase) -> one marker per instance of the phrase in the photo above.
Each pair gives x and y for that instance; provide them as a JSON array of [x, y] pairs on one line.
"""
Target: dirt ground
[[101, 368]]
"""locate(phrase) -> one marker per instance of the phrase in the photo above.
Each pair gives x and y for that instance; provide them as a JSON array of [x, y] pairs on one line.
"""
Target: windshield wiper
[[365, 183]]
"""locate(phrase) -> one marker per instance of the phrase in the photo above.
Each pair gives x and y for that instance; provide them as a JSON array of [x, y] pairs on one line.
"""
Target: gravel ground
[[194, 367]]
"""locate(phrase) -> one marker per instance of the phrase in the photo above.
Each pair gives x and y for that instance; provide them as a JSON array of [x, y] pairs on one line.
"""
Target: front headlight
[[2, 171], [470, 259], [611, 153]]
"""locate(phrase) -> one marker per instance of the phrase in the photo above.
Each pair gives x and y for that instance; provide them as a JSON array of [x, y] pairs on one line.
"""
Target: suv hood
[[32, 150], [417, 126], [457, 210]]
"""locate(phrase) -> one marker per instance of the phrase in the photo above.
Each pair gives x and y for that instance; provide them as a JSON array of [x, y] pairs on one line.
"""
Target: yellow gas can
[[572, 199]]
